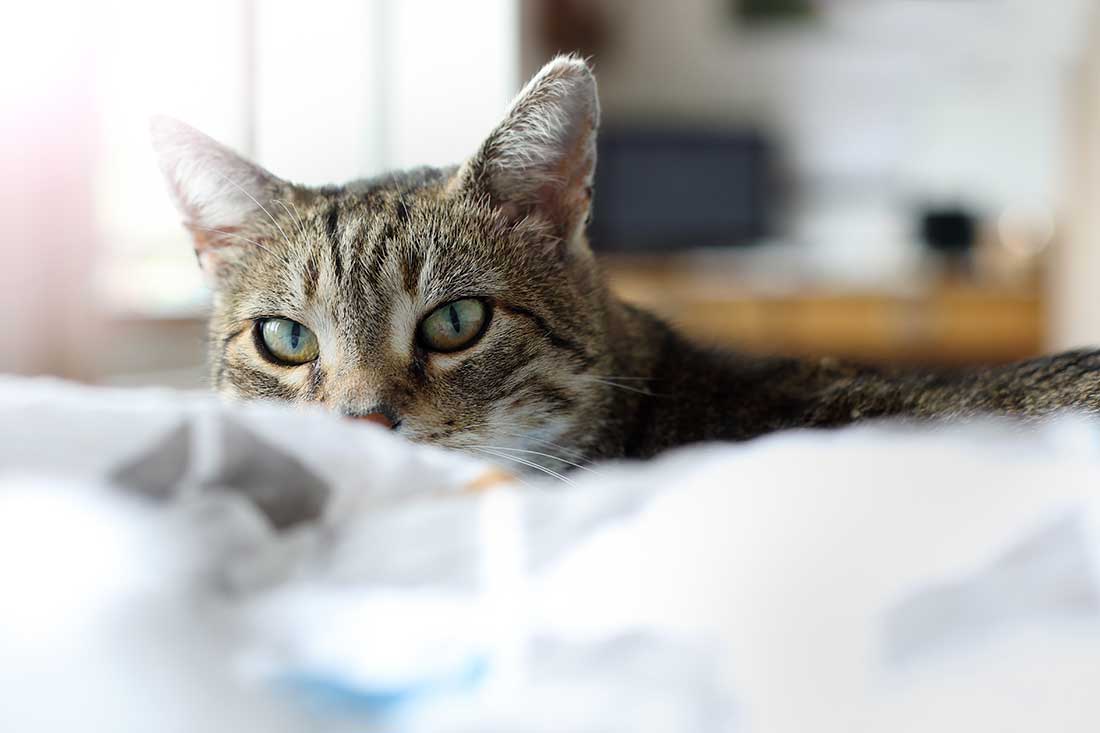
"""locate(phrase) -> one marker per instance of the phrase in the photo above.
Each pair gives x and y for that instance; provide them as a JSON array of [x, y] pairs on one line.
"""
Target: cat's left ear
[[225, 200], [540, 160]]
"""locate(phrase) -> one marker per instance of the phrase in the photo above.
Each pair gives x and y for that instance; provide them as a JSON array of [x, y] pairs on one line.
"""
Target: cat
[[463, 306]]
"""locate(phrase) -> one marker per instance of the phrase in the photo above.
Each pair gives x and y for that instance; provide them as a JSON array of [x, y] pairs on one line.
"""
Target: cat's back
[[706, 393]]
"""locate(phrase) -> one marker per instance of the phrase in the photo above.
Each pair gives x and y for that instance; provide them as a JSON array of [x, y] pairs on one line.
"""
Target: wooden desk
[[942, 323]]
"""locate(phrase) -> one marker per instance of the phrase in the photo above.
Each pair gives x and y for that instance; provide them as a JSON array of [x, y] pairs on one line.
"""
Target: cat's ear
[[540, 160], [220, 195]]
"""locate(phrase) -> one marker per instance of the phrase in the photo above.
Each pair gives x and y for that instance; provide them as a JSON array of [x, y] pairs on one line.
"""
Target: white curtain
[[48, 242], [319, 92]]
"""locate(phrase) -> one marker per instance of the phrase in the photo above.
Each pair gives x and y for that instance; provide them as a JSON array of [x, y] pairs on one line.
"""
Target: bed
[[172, 562]]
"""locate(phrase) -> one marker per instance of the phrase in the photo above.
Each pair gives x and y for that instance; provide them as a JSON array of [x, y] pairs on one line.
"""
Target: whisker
[[525, 462], [572, 452], [262, 207], [537, 453], [515, 477], [528, 484], [297, 213], [623, 379], [616, 385], [297, 219], [264, 247], [516, 459]]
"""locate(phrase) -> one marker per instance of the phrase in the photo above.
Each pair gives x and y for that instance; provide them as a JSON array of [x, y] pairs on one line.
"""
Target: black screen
[[662, 190]]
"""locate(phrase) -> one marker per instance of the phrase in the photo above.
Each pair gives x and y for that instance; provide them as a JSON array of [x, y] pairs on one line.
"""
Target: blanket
[[171, 562]]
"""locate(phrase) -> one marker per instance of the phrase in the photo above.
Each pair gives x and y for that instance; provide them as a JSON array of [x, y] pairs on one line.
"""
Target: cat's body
[[697, 394], [463, 307]]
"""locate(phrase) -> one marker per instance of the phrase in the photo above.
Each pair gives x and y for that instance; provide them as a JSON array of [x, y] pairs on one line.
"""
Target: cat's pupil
[[295, 335], [455, 324]]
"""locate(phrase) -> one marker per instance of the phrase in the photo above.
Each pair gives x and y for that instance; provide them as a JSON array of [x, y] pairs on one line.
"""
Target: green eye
[[288, 341], [454, 326]]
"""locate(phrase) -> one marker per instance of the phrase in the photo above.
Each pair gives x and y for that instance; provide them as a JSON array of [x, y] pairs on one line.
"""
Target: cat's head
[[462, 305]]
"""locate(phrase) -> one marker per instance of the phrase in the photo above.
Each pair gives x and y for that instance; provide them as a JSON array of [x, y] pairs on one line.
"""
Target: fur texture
[[563, 373]]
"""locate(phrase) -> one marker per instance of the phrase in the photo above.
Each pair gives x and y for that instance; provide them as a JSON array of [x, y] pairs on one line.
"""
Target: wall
[[881, 106], [1074, 310], [47, 241], [355, 88]]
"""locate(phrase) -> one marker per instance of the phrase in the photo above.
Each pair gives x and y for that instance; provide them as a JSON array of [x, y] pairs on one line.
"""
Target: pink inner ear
[[565, 207], [565, 197], [209, 245]]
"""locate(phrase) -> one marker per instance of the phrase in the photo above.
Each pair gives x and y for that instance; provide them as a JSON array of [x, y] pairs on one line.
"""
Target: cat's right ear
[[224, 199], [540, 160]]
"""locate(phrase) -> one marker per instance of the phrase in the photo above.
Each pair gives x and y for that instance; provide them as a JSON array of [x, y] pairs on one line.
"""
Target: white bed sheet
[[867, 579]]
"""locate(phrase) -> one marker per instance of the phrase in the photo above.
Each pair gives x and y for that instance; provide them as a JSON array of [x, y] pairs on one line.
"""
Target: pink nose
[[377, 418]]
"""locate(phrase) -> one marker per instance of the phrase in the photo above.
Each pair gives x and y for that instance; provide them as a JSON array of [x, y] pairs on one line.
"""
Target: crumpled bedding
[[169, 562]]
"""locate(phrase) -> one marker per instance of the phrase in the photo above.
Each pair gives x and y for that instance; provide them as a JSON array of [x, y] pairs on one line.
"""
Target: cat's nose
[[377, 418], [377, 415]]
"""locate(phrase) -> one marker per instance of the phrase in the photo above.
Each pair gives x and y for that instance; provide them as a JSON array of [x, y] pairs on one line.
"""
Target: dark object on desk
[[949, 231], [660, 190]]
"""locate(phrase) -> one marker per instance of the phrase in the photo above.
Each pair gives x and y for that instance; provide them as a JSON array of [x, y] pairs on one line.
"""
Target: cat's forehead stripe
[[332, 225], [332, 232], [402, 210], [411, 264], [376, 260], [310, 277]]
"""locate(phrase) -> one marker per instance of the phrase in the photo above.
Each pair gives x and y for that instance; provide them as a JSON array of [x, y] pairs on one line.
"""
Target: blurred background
[[907, 181]]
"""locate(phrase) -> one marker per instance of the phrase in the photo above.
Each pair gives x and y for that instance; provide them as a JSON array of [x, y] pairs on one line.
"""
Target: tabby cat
[[462, 306]]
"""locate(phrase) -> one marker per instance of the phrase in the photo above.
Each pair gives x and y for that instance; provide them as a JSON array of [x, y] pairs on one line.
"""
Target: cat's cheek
[[229, 391], [297, 378]]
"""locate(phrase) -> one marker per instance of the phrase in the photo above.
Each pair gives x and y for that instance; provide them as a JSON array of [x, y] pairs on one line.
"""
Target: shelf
[[941, 322]]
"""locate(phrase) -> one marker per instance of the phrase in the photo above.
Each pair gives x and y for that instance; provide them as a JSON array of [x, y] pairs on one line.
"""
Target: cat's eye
[[454, 326], [288, 341]]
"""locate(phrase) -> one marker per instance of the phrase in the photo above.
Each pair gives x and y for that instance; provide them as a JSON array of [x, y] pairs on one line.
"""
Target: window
[[318, 93]]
